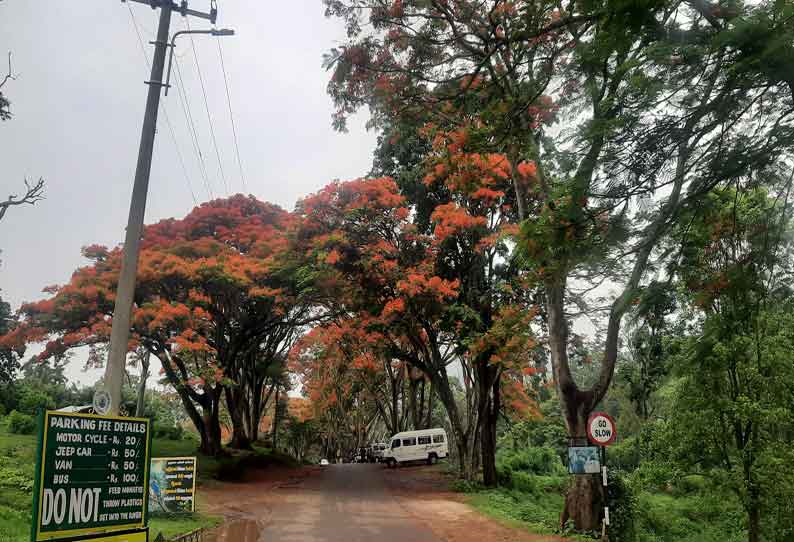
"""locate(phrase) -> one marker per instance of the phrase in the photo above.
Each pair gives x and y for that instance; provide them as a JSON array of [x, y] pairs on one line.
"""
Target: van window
[[424, 440], [395, 443], [409, 441], [438, 438]]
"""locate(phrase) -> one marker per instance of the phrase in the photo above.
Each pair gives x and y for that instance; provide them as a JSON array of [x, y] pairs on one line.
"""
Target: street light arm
[[217, 32]]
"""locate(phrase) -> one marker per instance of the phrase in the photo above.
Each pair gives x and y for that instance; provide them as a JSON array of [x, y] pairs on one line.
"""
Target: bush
[[21, 424], [537, 461], [622, 501], [32, 400], [625, 455], [466, 486], [170, 432]]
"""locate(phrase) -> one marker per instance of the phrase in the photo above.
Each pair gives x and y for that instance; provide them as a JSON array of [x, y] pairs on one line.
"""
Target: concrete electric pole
[[122, 313]]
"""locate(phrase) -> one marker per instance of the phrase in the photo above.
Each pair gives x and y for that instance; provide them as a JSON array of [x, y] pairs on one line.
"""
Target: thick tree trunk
[[490, 417], [235, 405], [207, 424], [584, 503]]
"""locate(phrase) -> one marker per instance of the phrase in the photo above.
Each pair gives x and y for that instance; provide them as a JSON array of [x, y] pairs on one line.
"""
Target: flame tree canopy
[[430, 299], [216, 301], [659, 103]]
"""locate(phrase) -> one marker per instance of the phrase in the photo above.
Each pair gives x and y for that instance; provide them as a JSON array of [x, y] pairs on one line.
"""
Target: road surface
[[345, 503], [353, 503]]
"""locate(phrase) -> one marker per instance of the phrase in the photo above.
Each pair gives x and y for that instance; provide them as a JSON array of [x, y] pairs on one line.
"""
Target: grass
[[537, 512], [697, 516], [17, 463], [170, 527]]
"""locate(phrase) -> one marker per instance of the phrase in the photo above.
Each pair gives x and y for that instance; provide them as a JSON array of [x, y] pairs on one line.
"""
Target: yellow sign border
[[195, 474], [90, 530]]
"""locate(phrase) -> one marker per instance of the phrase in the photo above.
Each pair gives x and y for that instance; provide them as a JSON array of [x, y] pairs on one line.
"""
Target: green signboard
[[91, 476], [172, 485]]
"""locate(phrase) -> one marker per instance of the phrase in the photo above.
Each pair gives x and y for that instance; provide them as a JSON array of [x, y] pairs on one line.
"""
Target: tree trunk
[[139, 406], [584, 503], [489, 417], [754, 526], [207, 424], [276, 420], [236, 404], [430, 397]]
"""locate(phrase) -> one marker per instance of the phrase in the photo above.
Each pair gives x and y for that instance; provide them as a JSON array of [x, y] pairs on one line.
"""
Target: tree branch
[[33, 194]]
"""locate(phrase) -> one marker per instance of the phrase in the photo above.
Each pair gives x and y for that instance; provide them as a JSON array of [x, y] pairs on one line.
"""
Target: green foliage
[[708, 517], [515, 468], [462, 485], [21, 424], [9, 358], [166, 431], [175, 526], [538, 513], [622, 501], [32, 400], [547, 432]]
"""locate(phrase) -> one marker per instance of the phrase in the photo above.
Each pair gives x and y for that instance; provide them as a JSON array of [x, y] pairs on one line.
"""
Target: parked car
[[426, 445], [323, 462]]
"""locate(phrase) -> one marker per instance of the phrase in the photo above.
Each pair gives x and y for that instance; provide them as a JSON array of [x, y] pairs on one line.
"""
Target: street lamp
[[217, 32]]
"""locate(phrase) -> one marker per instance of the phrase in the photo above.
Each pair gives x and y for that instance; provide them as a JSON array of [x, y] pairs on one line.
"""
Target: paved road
[[353, 503], [341, 503], [345, 503]]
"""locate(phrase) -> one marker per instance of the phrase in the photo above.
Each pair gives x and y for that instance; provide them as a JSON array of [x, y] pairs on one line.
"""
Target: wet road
[[352, 503], [345, 503]]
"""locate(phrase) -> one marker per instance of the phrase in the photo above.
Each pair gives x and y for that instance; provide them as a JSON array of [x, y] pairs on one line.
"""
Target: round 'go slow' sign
[[601, 429]]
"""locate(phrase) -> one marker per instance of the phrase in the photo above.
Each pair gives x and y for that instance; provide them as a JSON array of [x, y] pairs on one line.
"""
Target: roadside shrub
[[522, 481], [466, 486], [622, 501], [624, 455], [170, 432], [21, 424], [686, 485], [2, 410], [32, 400], [536, 461]]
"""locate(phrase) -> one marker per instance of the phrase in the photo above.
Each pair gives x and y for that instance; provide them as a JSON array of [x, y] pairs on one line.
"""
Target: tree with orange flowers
[[215, 303], [620, 116], [433, 299]]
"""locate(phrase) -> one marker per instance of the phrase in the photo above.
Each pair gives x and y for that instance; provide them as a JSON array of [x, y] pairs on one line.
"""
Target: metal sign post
[[601, 431]]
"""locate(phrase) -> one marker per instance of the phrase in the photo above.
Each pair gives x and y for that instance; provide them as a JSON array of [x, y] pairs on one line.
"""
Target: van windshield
[[395, 443]]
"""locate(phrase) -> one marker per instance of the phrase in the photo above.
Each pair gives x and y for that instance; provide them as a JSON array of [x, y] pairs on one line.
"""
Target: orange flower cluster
[[451, 219]]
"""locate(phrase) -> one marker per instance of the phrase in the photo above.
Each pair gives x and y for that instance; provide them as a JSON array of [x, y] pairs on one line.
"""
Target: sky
[[78, 103]]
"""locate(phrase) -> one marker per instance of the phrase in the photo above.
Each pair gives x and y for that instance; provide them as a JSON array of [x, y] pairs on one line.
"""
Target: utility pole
[[122, 312]]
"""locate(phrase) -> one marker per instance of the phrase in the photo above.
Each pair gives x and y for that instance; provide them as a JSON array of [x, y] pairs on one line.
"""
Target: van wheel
[[432, 459]]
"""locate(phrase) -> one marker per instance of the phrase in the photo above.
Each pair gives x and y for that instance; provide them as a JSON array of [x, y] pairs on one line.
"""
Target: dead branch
[[33, 194], [10, 75]]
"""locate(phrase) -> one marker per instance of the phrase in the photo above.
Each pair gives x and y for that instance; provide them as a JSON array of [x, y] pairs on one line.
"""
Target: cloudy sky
[[78, 105]]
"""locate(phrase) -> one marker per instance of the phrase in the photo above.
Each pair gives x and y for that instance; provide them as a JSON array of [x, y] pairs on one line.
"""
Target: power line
[[165, 112], [207, 107], [194, 139], [231, 116]]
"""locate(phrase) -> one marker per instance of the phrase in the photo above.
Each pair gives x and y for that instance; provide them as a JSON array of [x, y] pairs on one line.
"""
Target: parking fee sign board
[[601, 429], [91, 477]]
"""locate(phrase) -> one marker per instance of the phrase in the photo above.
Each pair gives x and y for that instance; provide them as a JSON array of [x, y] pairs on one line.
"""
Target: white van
[[426, 445]]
